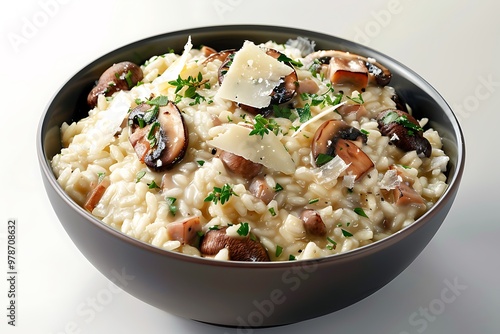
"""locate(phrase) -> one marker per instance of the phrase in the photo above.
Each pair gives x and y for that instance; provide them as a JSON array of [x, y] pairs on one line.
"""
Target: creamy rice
[[355, 213]]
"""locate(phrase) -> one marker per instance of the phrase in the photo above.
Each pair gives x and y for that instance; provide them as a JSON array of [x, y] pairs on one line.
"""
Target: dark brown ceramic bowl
[[236, 293]]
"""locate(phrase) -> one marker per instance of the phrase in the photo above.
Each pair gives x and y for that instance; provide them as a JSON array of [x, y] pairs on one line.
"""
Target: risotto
[[270, 152]]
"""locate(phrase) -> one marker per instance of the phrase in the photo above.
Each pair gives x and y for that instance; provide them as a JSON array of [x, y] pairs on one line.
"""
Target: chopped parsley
[[322, 159], [279, 251], [360, 212], [331, 243], [284, 59], [191, 84], [304, 113], [243, 229], [171, 207], [284, 112], [358, 99], [200, 162], [278, 187], [220, 194], [346, 234], [394, 117], [272, 211], [291, 257], [153, 185], [140, 175], [314, 200], [262, 126]]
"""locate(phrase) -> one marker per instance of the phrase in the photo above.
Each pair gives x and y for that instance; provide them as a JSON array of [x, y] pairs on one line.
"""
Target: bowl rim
[[451, 189]]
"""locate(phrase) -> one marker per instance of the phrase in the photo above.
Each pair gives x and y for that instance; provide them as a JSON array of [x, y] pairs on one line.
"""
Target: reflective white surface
[[452, 287]]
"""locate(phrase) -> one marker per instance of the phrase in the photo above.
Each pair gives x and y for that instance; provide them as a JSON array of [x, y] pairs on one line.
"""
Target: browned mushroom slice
[[184, 231], [282, 93], [159, 141], [349, 109], [221, 55], [332, 59], [404, 194], [239, 165], [313, 224], [404, 131], [260, 189], [346, 71], [120, 76], [240, 249], [95, 194], [336, 138]]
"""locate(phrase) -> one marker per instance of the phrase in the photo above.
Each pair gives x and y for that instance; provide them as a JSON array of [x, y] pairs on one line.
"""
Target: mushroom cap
[[162, 141], [404, 131], [120, 76], [336, 138], [240, 249]]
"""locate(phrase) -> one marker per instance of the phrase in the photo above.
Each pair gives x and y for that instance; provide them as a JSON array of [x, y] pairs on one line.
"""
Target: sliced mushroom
[[221, 55], [159, 141], [404, 194], [120, 76], [404, 131], [184, 231], [260, 189], [358, 110], [353, 68], [96, 193], [239, 165], [313, 224], [308, 86], [282, 93], [240, 249], [335, 137]]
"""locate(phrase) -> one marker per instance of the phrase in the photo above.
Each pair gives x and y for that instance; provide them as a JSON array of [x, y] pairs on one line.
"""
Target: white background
[[454, 45]]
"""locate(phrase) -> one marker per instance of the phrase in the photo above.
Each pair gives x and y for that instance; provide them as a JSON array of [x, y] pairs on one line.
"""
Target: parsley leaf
[[243, 229], [322, 159], [304, 113], [346, 234], [360, 212], [263, 125], [220, 194], [171, 207]]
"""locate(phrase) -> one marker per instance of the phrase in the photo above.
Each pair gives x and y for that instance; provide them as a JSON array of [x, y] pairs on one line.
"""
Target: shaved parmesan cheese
[[108, 123], [173, 71], [330, 171], [318, 116], [390, 180], [267, 150], [252, 77]]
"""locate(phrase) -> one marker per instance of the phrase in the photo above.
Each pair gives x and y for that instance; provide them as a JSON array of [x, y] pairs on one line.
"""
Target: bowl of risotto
[[249, 176]]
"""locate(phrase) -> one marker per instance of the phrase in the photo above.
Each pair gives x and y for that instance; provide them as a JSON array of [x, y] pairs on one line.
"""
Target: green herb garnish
[[360, 212], [304, 113], [279, 251], [262, 126], [139, 176], [322, 159], [346, 234], [284, 59], [243, 229], [278, 187], [171, 207], [220, 194], [332, 244]]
